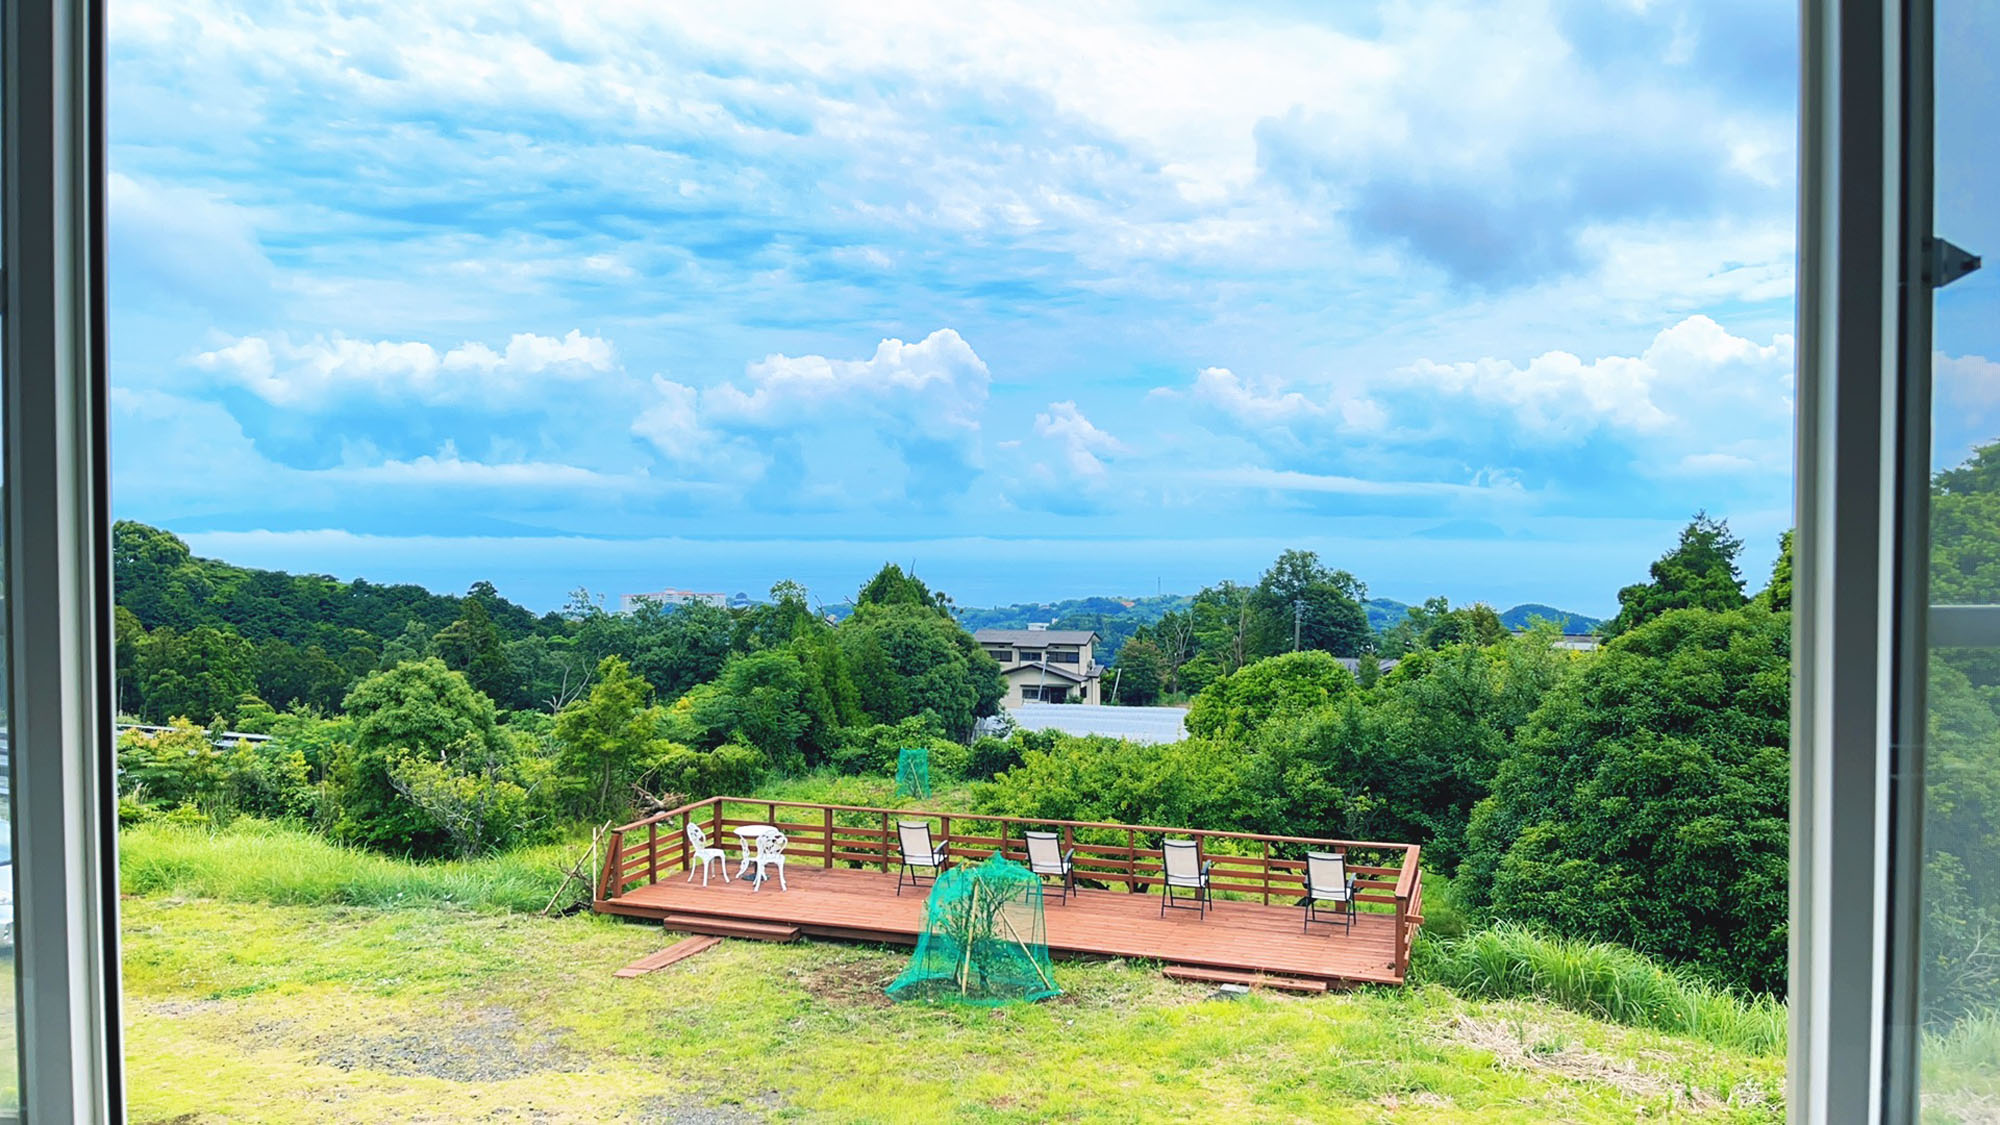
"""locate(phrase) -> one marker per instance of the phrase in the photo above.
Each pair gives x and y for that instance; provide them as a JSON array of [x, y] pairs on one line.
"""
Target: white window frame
[[58, 577]]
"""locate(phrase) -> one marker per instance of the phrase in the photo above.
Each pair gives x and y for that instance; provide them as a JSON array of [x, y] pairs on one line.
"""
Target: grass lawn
[[247, 1011]]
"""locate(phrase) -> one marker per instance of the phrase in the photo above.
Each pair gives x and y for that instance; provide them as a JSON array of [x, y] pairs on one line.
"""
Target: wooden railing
[[1246, 864]]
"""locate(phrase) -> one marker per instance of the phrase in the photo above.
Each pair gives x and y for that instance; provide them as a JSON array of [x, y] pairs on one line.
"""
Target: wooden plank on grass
[[1254, 980], [678, 951]]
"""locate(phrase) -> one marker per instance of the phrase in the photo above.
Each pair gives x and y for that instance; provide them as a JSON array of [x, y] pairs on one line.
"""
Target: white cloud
[[919, 404], [178, 244], [1081, 445], [446, 469], [1487, 484], [330, 368], [937, 383]]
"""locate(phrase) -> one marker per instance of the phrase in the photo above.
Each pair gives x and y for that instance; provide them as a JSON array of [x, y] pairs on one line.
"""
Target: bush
[[873, 750], [727, 770], [990, 757]]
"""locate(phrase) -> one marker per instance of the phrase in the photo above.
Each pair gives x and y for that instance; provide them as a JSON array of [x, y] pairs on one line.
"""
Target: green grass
[[272, 977], [949, 794], [250, 1012], [1601, 980], [1961, 1072], [253, 861]]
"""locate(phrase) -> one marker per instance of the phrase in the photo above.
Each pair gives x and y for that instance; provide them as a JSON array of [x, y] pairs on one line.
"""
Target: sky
[[1482, 300]]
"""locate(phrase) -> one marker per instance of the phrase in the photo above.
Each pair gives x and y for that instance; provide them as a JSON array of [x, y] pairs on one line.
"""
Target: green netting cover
[[983, 941], [913, 771]]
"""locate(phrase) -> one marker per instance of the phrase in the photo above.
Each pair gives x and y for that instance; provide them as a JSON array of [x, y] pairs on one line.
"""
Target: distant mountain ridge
[[1115, 619], [1383, 613]]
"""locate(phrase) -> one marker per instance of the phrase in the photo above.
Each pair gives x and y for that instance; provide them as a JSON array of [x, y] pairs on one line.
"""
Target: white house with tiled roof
[[1044, 665]]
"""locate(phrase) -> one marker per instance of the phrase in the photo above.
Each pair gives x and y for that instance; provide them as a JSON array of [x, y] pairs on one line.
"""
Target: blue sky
[[1048, 299]]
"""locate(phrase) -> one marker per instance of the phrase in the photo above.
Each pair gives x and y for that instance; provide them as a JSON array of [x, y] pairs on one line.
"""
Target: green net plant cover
[[913, 771], [983, 942]]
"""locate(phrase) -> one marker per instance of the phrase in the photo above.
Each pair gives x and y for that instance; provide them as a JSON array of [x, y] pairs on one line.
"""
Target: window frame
[[58, 570]]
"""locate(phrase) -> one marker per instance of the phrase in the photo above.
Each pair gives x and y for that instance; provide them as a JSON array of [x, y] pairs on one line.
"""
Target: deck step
[[1254, 980], [731, 927], [678, 951]]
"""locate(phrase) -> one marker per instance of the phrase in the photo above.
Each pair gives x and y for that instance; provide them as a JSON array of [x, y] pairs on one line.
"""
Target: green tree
[[910, 660], [1301, 599], [1646, 800], [763, 700], [1699, 573], [1777, 595], [198, 675], [606, 742], [892, 587], [1141, 672], [1233, 708], [472, 645], [421, 710]]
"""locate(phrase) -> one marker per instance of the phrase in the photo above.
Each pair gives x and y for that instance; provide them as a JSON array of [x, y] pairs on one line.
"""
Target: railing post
[[653, 852], [612, 860], [715, 831], [1402, 962], [944, 829], [882, 845], [1131, 861], [1267, 872], [828, 811]]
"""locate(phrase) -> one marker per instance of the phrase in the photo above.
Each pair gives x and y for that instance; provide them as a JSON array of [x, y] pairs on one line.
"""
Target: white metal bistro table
[[746, 835]]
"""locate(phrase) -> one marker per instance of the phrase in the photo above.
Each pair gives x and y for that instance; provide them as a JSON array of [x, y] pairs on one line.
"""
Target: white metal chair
[[1185, 870], [700, 852], [1046, 857], [770, 853], [914, 837], [1327, 880]]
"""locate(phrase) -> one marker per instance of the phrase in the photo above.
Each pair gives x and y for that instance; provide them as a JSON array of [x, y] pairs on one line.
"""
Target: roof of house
[[1036, 667], [1034, 636]]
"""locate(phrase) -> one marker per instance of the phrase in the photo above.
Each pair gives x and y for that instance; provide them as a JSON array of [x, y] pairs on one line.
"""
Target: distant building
[[627, 603], [1572, 642], [1044, 665]]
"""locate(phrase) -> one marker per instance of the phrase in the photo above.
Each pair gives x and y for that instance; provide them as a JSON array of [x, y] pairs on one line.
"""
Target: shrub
[[727, 770], [990, 757]]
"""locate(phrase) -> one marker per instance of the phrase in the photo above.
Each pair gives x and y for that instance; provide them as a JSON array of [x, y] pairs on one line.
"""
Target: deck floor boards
[[863, 905]]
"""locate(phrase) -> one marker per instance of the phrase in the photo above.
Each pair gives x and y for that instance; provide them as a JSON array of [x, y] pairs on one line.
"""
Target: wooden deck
[[863, 906], [841, 885]]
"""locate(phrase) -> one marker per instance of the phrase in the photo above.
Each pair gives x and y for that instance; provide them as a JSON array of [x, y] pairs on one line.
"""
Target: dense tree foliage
[[1646, 800], [1699, 573]]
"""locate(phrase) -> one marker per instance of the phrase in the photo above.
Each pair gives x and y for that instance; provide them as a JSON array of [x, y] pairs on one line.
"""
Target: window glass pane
[[1961, 934]]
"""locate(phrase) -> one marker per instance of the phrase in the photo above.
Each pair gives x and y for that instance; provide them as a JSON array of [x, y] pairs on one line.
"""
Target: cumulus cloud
[[795, 417], [1695, 382], [1080, 444], [331, 368], [1698, 401]]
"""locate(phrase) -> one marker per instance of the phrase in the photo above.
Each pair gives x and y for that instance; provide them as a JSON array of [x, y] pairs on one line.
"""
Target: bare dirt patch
[[481, 1045], [1528, 1046], [856, 982]]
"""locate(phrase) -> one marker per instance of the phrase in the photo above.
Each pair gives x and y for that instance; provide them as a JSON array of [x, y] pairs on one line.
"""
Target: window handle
[[1945, 263]]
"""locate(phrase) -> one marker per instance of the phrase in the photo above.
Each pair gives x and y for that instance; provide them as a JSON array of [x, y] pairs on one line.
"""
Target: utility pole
[[1298, 621]]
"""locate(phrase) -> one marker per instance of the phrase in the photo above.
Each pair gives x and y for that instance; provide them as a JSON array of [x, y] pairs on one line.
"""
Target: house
[[627, 603], [1044, 665]]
